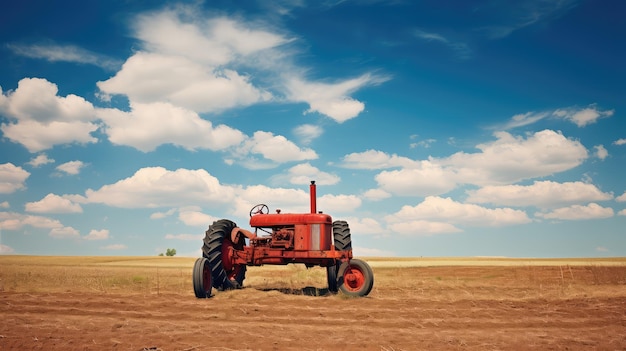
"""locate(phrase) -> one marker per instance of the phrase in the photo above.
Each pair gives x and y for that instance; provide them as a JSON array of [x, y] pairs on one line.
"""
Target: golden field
[[147, 303]]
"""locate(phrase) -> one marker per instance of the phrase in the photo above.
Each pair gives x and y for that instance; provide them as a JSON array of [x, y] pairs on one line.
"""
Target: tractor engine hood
[[288, 219]]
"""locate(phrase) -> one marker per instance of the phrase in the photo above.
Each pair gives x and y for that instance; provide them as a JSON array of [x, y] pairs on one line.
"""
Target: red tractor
[[280, 238]]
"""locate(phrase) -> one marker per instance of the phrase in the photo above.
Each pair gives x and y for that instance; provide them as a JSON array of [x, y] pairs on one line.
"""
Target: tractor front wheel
[[355, 278], [202, 281]]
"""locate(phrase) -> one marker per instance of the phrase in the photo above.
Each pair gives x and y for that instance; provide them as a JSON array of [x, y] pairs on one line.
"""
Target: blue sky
[[452, 128]]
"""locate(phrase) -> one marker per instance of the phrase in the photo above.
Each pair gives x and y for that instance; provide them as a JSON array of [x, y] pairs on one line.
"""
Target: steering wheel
[[259, 209]]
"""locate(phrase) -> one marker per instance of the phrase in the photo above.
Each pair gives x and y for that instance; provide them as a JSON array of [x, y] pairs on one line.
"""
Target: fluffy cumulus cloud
[[304, 173], [508, 159], [12, 221], [148, 78], [332, 100], [338, 203], [578, 212], [422, 179], [273, 148], [154, 187], [445, 210], [193, 216], [374, 159], [583, 117], [53, 204], [147, 126], [621, 198], [12, 178], [40, 160], [601, 152], [39, 119], [71, 167], [94, 234], [194, 61], [543, 194]]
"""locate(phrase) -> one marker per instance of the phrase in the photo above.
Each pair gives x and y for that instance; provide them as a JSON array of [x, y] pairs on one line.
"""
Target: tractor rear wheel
[[202, 280], [216, 248], [355, 278], [343, 241]]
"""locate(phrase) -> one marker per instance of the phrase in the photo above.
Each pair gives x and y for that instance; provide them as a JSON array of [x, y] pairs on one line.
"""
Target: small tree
[[170, 252]]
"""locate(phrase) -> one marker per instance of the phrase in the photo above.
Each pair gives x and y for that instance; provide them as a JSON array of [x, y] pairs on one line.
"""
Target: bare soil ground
[[89, 304]]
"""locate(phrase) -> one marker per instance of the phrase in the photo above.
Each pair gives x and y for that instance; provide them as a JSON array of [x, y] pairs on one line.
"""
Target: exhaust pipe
[[313, 193]]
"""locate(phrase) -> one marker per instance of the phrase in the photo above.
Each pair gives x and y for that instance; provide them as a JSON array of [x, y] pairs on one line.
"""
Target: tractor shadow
[[306, 291]]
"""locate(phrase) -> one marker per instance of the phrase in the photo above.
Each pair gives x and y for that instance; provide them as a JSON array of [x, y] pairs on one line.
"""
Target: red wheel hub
[[353, 278]]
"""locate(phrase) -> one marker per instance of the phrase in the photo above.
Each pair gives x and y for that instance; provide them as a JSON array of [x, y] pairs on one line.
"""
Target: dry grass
[[439, 278]]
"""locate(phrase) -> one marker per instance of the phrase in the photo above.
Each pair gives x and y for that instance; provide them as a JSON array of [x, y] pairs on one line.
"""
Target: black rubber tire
[[343, 241], [341, 235], [331, 277], [214, 239], [202, 280], [365, 281]]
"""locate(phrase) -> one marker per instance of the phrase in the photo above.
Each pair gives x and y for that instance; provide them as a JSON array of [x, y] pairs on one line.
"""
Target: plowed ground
[[98, 307]]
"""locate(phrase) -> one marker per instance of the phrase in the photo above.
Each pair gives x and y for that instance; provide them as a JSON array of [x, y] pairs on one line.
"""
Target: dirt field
[[49, 303]]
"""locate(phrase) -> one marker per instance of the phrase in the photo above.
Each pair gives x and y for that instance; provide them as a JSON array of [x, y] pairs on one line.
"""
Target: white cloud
[[194, 217], [620, 142], [307, 133], [184, 31], [147, 126], [149, 78], [446, 210], [4, 204], [422, 179], [65, 53], [41, 159], [583, 117], [365, 226], [16, 221], [160, 215], [338, 203], [53, 204], [601, 152], [541, 194], [12, 178], [154, 187], [94, 234], [622, 213], [41, 119], [578, 212], [274, 148], [304, 173], [579, 116], [621, 198], [374, 159], [64, 233], [329, 99], [510, 159], [71, 167]]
